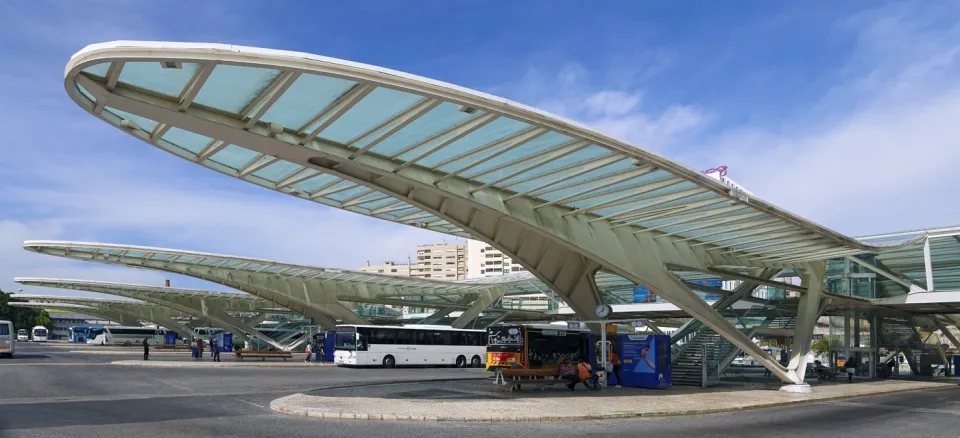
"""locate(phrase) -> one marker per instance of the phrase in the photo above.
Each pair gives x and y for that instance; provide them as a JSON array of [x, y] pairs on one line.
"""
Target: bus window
[[345, 340], [406, 337]]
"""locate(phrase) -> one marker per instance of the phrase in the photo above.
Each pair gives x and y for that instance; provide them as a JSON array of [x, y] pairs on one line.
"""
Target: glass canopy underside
[[518, 157], [187, 262]]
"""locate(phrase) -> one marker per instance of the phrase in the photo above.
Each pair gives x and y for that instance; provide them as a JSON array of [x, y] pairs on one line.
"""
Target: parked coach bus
[[535, 346], [80, 334], [7, 343], [372, 345], [39, 334], [118, 334]]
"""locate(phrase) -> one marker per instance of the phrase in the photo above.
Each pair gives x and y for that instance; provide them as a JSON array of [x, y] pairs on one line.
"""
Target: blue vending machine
[[326, 339], [225, 342], [645, 361], [170, 338]]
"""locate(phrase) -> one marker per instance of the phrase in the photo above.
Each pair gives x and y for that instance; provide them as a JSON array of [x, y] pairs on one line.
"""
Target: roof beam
[[543, 157], [911, 287], [391, 126], [714, 223], [262, 103], [754, 232], [753, 279], [330, 114], [656, 201], [506, 144], [193, 86], [578, 168], [448, 136], [597, 191]]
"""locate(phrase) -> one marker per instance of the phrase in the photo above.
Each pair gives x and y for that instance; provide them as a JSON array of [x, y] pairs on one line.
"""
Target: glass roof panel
[[307, 97], [98, 69], [109, 251], [234, 157], [232, 264], [231, 88], [346, 194], [80, 248], [145, 123], [377, 204], [316, 182], [500, 128], [273, 269], [187, 258], [160, 256], [404, 212], [582, 156], [618, 191], [150, 75], [136, 253], [253, 266], [378, 106], [277, 171], [544, 142], [85, 93], [207, 261], [435, 121], [186, 140]]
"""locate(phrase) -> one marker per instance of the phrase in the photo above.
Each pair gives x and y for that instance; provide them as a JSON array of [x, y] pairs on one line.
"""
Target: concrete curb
[[192, 364], [283, 405]]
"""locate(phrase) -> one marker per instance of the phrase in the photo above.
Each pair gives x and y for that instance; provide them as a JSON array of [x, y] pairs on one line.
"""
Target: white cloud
[[888, 161]]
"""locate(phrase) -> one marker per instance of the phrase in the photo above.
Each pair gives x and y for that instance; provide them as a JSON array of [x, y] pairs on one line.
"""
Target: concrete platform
[[481, 401], [228, 363]]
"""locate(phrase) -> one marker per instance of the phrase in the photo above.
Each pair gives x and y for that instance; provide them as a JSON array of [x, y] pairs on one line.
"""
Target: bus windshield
[[39, 332], [507, 339], [346, 340]]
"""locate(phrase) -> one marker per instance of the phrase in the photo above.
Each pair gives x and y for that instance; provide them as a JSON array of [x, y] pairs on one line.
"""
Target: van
[[6, 339]]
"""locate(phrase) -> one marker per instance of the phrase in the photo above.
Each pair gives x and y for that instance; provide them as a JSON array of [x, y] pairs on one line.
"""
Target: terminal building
[[591, 222]]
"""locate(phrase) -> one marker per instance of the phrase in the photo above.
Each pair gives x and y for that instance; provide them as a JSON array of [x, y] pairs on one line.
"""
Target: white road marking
[[250, 403]]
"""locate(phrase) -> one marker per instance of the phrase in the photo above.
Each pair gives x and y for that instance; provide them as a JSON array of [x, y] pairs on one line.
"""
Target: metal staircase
[[696, 344]]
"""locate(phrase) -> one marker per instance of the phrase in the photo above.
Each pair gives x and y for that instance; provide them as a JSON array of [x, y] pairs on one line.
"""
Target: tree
[[23, 317], [821, 347]]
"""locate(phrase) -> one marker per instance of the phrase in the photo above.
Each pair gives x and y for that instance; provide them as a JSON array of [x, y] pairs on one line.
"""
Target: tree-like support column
[[486, 298], [216, 312], [808, 312]]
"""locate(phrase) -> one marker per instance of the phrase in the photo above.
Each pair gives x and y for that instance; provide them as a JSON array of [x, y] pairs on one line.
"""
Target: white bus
[[22, 335], [207, 333], [386, 346], [7, 344], [39, 334], [118, 334]]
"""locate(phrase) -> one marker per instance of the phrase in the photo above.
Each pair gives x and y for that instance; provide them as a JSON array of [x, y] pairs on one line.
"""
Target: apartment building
[[444, 261], [484, 260], [388, 268]]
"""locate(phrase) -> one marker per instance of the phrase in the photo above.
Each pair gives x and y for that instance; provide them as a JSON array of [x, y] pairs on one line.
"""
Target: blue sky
[[842, 112]]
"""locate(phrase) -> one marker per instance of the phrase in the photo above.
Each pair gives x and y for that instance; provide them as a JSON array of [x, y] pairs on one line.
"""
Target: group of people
[[583, 373], [309, 353], [197, 346]]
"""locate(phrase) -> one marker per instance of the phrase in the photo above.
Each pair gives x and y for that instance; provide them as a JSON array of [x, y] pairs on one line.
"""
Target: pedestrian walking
[[320, 355], [146, 349], [214, 351], [200, 345], [615, 361], [307, 350], [851, 368]]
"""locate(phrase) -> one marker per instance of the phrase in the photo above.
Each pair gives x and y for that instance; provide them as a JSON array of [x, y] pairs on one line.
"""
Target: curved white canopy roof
[[278, 119]]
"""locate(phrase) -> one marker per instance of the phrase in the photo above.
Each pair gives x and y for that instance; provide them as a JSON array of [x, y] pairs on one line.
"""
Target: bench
[[171, 347], [514, 378], [262, 354]]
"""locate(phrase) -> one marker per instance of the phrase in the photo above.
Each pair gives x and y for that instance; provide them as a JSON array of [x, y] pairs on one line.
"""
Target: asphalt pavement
[[47, 391]]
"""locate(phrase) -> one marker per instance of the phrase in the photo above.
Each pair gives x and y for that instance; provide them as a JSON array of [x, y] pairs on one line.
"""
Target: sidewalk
[[480, 400], [231, 363]]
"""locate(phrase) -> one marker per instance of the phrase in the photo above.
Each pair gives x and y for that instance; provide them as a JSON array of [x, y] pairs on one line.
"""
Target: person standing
[[214, 351], [320, 352], [851, 368], [615, 361], [200, 348], [146, 349]]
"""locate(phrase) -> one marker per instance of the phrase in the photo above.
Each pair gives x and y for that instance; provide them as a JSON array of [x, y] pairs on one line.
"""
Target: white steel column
[[485, 299], [808, 312], [928, 264], [220, 315]]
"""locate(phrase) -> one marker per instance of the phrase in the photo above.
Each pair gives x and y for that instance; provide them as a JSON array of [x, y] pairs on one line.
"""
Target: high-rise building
[[484, 260], [443, 261], [387, 268]]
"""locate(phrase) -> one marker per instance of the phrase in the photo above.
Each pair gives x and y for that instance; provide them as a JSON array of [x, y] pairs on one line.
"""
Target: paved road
[[47, 392]]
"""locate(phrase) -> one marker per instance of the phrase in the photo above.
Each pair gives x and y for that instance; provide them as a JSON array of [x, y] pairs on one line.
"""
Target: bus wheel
[[475, 362], [461, 361], [389, 362]]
